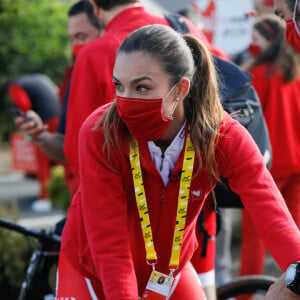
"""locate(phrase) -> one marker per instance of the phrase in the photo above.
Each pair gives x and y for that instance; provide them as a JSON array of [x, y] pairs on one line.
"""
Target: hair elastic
[[267, 27]]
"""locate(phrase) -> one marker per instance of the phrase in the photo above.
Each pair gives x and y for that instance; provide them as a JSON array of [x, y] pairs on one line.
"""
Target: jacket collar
[[122, 19]]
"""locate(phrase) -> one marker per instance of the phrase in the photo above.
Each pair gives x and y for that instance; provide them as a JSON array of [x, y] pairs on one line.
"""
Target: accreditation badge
[[158, 286]]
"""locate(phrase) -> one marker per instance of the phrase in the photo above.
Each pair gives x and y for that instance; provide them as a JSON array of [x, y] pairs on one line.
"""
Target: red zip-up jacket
[[103, 239], [280, 103], [92, 84]]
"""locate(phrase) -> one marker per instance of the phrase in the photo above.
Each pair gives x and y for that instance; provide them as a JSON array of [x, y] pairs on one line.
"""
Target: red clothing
[[281, 108], [92, 84], [207, 245], [72, 285], [19, 97], [102, 236]]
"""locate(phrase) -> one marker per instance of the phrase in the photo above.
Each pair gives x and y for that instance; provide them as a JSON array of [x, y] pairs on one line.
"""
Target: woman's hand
[[279, 291]]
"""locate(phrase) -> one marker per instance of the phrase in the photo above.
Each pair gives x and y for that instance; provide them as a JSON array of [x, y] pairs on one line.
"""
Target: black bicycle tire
[[245, 285]]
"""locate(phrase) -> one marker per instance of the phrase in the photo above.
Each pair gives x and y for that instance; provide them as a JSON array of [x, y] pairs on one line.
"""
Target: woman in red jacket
[[275, 70], [129, 223]]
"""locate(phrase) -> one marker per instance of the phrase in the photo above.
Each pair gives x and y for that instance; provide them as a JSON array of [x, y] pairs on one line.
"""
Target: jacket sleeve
[[91, 87], [104, 209], [243, 165]]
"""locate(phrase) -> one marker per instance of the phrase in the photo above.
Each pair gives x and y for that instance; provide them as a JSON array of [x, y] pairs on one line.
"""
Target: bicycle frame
[[35, 284]]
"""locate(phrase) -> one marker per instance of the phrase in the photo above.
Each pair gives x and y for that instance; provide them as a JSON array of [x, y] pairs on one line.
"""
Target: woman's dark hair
[[84, 6], [108, 4], [180, 57], [280, 55]]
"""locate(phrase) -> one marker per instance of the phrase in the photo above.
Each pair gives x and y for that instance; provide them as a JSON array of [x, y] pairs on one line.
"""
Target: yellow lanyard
[[183, 196]]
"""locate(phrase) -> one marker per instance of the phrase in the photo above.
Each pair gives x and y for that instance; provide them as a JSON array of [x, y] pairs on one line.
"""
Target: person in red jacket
[[289, 10], [91, 82], [128, 224], [276, 78]]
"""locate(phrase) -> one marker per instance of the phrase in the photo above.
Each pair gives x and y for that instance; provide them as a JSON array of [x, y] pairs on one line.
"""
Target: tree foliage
[[33, 39]]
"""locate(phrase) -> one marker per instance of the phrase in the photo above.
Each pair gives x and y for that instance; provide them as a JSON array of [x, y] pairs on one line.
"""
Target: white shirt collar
[[165, 163]]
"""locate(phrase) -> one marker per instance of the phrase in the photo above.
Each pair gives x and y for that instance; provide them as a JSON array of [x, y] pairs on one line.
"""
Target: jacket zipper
[[162, 198], [161, 161]]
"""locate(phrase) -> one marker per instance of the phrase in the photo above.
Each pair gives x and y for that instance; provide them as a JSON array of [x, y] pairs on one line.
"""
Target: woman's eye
[[117, 86], [142, 89], [82, 37]]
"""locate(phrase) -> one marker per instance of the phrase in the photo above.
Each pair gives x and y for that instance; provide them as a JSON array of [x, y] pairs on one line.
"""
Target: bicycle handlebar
[[41, 235]]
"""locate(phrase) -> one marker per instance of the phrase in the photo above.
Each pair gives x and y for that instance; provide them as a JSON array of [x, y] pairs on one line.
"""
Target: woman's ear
[[183, 87], [95, 7]]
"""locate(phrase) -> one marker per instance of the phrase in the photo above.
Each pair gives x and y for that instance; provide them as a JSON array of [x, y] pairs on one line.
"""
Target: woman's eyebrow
[[136, 80], [115, 78], [141, 79]]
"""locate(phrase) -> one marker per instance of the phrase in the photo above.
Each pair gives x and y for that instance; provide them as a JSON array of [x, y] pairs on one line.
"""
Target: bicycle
[[44, 259], [255, 285]]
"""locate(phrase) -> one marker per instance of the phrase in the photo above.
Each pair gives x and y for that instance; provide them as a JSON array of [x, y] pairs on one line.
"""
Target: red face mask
[[143, 117], [291, 35], [254, 49], [76, 48]]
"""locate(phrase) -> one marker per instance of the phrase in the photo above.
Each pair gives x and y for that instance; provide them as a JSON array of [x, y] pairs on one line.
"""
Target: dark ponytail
[[203, 108]]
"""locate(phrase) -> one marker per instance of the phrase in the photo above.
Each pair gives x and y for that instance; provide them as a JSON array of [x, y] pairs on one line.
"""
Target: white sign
[[226, 23]]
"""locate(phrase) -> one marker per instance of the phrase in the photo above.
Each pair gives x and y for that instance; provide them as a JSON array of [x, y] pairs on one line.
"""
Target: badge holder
[[158, 286]]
